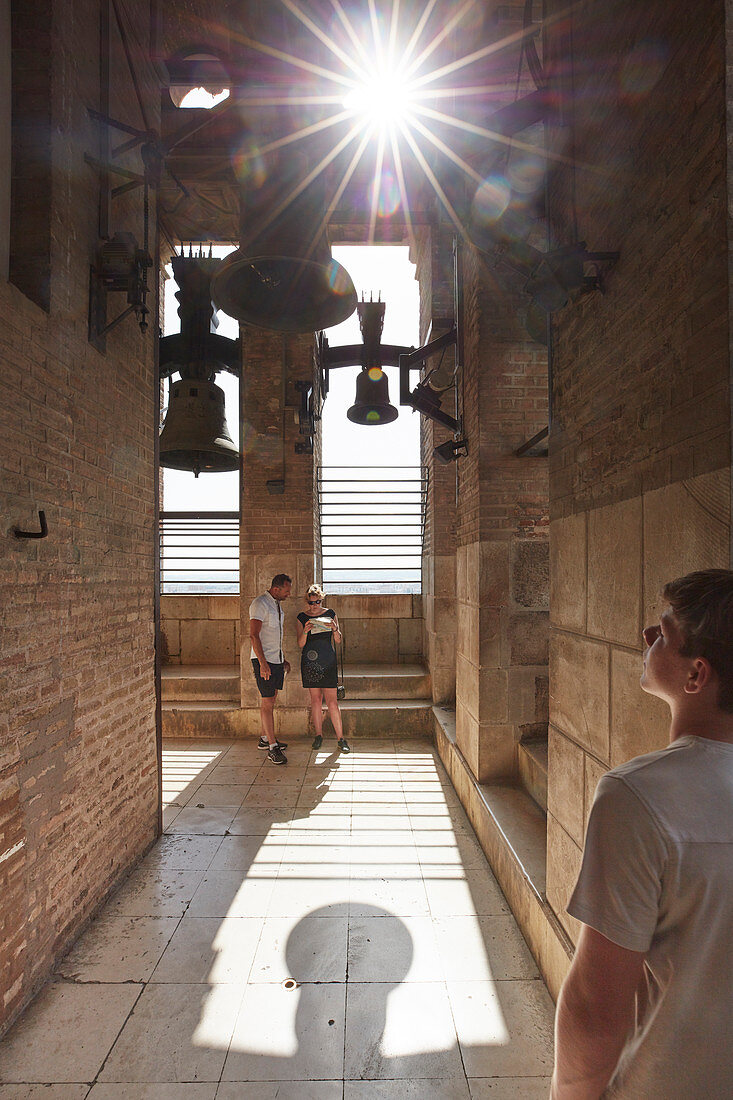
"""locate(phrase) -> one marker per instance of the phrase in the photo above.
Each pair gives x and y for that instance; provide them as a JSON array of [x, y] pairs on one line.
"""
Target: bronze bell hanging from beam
[[195, 435], [283, 276], [372, 404]]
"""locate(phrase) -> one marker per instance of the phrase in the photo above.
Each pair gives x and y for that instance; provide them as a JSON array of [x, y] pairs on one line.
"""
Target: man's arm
[[595, 1012], [255, 626]]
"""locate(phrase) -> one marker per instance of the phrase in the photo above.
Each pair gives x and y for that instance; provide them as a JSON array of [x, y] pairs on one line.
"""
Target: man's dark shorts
[[267, 688]]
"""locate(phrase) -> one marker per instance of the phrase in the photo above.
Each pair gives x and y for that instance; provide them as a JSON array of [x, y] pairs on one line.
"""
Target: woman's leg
[[316, 695], [331, 697]]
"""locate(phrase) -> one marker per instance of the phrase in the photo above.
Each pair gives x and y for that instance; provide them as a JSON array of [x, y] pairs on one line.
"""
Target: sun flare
[[384, 101]]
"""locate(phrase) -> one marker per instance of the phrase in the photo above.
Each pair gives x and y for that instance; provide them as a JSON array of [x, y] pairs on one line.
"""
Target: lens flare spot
[[642, 68], [373, 416], [491, 200], [525, 175], [375, 374], [248, 165], [386, 195]]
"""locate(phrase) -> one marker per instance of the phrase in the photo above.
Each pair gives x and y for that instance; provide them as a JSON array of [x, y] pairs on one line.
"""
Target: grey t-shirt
[[657, 877]]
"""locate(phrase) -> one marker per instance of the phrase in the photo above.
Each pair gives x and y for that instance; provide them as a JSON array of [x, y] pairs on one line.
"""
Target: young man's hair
[[280, 579], [703, 606]]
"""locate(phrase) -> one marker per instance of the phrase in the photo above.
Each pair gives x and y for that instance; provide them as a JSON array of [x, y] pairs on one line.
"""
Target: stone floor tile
[[218, 794], [152, 892], [288, 1035], [400, 1031], [176, 1033], [233, 894], [43, 1092], [308, 949], [314, 851], [170, 813], [118, 949], [233, 773], [210, 949], [298, 893], [240, 852], [454, 891], [182, 852], [483, 948], [454, 1088], [509, 1088], [378, 821], [291, 776], [271, 794], [212, 820], [400, 892], [438, 848], [281, 1090], [393, 949], [504, 1028], [66, 1032], [180, 1091]]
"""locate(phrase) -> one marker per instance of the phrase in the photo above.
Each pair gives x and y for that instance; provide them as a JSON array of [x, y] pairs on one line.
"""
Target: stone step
[[205, 683], [386, 717], [388, 682], [532, 759]]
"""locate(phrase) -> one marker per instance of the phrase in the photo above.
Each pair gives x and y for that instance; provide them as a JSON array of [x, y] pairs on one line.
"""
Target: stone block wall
[[640, 446], [78, 763], [199, 630]]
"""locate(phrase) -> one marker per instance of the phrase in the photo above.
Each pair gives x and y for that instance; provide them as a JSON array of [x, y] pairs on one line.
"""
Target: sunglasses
[[313, 603]]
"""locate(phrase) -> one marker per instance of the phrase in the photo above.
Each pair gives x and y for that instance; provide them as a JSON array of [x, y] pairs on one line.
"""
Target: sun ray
[[376, 34], [426, 13], [292, 59], [304, 132], [349, 28], [324, 38], [401, 183], [447, 151], [502, 139], [477, 55], [378, 165], [323, 163], [440, 36], [432, 179]]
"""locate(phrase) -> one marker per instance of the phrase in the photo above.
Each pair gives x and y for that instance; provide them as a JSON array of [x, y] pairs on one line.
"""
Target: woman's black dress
[[318, 655]]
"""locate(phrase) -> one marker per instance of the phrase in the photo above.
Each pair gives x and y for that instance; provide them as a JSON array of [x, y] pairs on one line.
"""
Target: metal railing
[[372, 524], [199, 552]]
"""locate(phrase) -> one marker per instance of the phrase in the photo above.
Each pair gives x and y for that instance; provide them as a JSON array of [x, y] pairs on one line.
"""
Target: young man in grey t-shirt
[[646, 1012]]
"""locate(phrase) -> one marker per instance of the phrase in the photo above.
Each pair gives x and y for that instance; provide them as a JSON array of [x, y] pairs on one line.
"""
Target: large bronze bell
[[372, 404], [195, 435], [283, 276]]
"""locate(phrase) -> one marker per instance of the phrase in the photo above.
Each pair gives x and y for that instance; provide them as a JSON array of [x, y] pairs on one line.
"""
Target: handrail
[[372, 527], [190, 544]]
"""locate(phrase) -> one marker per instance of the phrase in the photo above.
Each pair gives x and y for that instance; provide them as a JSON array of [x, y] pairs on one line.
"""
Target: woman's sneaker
[[276, 756], [263, 743], [343, 744], [317, 741]]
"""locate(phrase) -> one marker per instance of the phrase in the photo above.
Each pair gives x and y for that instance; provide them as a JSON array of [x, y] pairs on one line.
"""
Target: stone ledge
[[512, 831]]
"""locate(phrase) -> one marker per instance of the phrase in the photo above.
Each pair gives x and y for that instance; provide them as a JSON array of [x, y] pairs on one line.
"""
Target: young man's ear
[[701, 676]]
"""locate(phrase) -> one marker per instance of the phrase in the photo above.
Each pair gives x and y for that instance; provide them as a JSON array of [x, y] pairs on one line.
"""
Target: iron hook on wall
[[20, 534]]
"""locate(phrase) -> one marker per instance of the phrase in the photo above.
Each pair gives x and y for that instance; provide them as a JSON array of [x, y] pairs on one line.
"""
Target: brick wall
[[640, 445], [78, 773]]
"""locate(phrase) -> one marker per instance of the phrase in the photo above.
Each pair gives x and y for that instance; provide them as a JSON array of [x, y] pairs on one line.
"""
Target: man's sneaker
[[263, 743], [343, 744], [317, 741], [276, 755]]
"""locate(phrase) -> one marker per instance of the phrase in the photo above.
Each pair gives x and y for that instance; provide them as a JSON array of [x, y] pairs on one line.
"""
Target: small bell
[[372, 404]]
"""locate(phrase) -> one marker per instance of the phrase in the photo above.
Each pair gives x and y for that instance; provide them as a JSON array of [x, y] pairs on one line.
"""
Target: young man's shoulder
[[259, 603]]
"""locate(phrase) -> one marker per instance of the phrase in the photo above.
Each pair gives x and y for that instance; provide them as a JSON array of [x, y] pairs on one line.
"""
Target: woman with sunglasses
[[318, 633]]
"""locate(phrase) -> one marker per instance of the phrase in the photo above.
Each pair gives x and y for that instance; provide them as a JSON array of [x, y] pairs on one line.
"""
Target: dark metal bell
[[372, 404], [195, 435], [283, 276]]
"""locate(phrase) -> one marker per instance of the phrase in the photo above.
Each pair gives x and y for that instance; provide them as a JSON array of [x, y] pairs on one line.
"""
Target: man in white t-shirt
[[646, 1011], [268, 663]]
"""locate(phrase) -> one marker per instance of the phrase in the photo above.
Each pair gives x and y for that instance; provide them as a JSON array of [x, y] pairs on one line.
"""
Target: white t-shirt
[[657, 877], [267, 609]]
